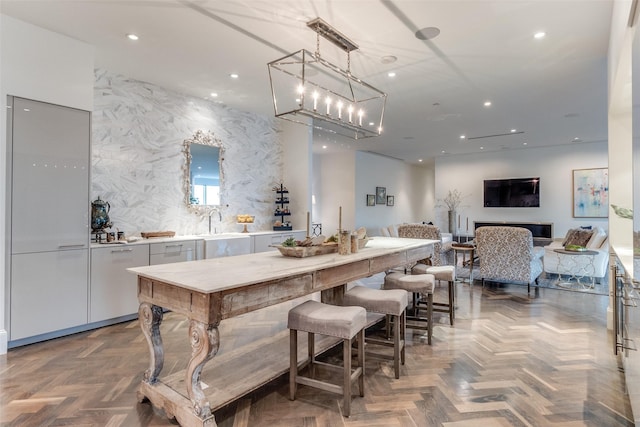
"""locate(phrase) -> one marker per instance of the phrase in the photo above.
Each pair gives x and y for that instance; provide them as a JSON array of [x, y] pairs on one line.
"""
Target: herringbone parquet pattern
[[510, 360]]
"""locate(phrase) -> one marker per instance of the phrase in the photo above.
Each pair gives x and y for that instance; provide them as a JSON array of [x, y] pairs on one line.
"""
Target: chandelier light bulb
[[315, 100], [300, 89], [350, 113], [340, 105], [360, 114], [328, 102]]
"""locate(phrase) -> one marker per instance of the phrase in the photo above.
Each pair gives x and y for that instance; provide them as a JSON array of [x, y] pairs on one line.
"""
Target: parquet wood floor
[[510, 360]]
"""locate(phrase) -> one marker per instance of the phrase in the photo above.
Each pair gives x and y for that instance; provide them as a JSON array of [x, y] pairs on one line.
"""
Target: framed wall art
[[591, 193], [371, 199], [390, 200], [381, 195]]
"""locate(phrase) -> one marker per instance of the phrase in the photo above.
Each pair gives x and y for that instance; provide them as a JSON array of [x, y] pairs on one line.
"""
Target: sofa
[[507, 254], [591, 266]]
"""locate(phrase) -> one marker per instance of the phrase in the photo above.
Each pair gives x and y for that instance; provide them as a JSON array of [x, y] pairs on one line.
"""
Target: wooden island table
[[209, 291]]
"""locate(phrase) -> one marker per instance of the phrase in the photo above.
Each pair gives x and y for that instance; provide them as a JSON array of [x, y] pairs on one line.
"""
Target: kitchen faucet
[[219, 217]]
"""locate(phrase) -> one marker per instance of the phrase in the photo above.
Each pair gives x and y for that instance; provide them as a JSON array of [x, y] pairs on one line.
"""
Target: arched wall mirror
[[203, 177]]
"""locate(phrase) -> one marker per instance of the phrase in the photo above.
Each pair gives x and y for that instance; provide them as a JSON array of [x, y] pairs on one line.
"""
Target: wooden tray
[[147, 234], [306, 251]]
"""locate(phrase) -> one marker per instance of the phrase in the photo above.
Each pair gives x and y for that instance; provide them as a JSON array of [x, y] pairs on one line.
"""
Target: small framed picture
[[381, 195], [390, 200], [371, 199]]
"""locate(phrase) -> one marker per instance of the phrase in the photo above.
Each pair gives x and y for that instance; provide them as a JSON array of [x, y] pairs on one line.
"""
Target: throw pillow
[[578, 236]]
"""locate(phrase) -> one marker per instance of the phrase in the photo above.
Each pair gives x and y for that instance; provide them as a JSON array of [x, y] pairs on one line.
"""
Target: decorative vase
[[452, 222]]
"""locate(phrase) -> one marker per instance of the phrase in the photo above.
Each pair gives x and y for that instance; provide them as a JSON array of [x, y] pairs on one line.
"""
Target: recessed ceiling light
[[427, 33], [214, 95], [443, 151], [487, 103], [513, 130], [389, 59], [391, 74], [234, 75], [133, 37], [324, 147], [524, 143], [371, 124], [420, 160], [482, 148], [462, 136], [539, 35]]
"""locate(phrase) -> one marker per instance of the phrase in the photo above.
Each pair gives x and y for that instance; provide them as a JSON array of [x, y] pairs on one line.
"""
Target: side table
[[569, 265], [466, 247]]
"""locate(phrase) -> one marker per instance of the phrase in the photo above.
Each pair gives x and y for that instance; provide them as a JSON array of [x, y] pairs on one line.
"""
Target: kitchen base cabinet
[[48, 292], [113, 291], [168, 252], [263, 242]]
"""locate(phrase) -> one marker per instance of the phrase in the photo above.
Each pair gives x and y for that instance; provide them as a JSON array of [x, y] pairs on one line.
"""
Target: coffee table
[[569, 265]]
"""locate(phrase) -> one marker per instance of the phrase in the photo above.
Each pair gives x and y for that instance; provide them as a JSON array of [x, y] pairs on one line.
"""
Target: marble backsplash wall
[[137, 159]]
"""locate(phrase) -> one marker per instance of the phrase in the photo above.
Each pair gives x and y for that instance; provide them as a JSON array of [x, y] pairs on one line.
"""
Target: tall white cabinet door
[[52, 292], [114, 291], [50, 165]]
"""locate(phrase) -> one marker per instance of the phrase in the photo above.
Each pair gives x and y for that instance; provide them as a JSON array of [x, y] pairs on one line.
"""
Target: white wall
[[137, 158], [554, 166], [411, 186], [337, 181], [297, 171], [45, 66]]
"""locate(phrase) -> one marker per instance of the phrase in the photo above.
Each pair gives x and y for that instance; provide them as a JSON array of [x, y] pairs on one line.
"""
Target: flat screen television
[[512, 193]]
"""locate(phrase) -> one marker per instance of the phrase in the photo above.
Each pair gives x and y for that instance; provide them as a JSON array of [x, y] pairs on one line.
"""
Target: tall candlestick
[[467, 224], [458, 221], [340, 219], [307, 223]]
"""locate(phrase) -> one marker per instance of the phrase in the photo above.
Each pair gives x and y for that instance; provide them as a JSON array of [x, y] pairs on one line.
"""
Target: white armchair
[[593, 266]]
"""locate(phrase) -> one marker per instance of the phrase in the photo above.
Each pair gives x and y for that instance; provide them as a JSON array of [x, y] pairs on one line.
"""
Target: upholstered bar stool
[[444, 273], [337, 321], [391, 302], [420, 285]]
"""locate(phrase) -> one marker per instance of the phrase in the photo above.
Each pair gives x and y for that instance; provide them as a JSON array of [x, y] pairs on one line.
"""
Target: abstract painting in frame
[[591, 193]]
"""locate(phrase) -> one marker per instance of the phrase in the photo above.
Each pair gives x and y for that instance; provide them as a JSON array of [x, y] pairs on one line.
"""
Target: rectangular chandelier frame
[[335, 100]]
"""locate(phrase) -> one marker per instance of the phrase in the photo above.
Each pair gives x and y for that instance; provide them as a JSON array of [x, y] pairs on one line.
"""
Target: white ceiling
[[553, 90]]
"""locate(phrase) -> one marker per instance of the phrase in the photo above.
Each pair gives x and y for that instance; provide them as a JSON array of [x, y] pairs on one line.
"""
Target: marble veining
[[138, 130]]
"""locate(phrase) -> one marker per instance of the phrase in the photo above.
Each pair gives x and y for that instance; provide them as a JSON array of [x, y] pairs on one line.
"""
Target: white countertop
[[231, 235], [218, 274]]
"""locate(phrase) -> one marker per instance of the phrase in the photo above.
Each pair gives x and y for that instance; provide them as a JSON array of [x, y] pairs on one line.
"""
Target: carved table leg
[[150, 318], [205, 341]]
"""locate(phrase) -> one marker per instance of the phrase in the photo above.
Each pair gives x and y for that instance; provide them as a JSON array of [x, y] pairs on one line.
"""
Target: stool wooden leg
[[311, 344], [403, 329], [346, 387], [452, 307], [429, 317], [396, 345], [361, 361], [293, 362]]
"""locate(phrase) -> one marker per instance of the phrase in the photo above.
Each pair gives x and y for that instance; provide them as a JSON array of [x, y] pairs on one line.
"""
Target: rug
[[550, 281]]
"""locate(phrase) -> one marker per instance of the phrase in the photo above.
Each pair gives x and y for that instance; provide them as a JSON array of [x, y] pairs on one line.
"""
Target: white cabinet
[[50, 177], [48, 217], [48, 292], [113, 290], [167, 252], [262, 242], [227, 245]]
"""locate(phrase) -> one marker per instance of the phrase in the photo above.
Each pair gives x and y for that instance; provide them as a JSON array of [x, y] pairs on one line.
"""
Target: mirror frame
[[202, 138]]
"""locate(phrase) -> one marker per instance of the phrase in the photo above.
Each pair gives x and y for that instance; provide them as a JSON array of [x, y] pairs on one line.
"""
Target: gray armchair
[[507, 254]]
